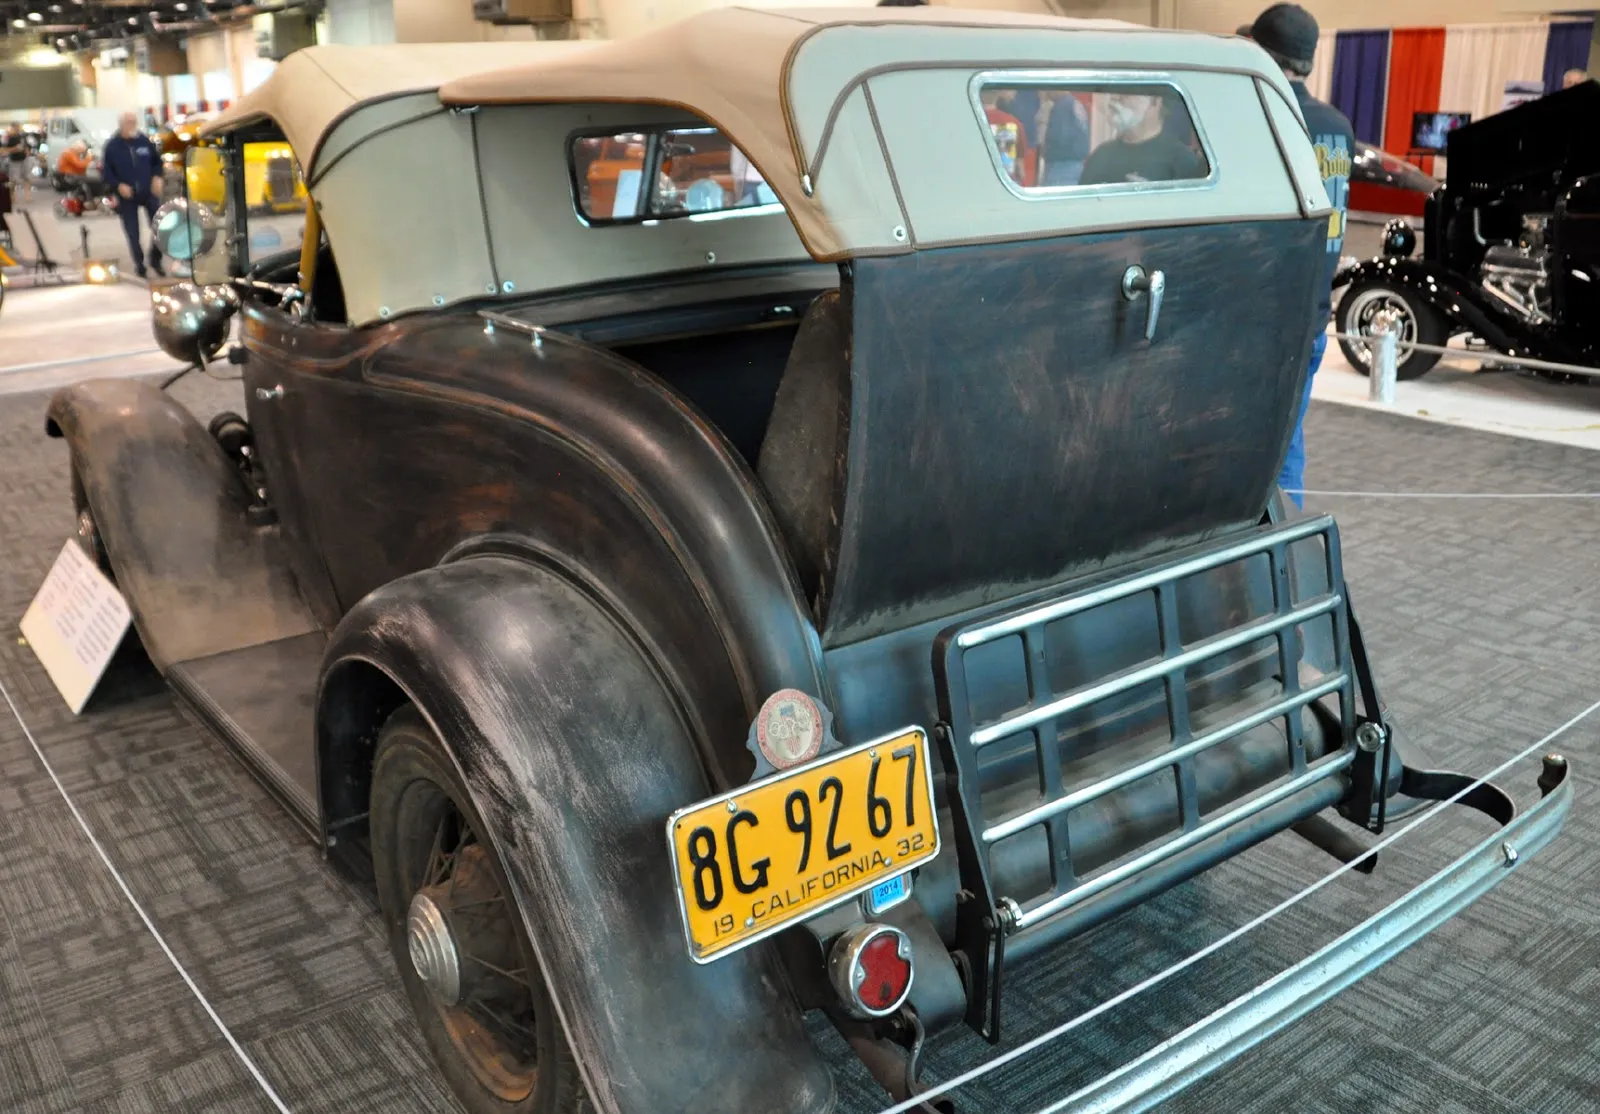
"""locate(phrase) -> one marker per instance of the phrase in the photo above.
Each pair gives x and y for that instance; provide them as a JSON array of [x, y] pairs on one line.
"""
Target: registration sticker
[[886, 895], [752, 861]]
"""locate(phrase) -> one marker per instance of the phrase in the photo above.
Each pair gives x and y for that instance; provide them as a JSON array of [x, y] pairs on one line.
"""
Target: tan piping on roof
[[1029, 64], [1283, 153]]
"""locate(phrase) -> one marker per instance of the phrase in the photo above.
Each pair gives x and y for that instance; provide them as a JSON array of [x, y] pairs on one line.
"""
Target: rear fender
[[575, 754], [170, 510]]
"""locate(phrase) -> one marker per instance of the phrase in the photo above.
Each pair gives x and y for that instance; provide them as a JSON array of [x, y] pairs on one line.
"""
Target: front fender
[[170, 510], [1460, 303], [575, 754]]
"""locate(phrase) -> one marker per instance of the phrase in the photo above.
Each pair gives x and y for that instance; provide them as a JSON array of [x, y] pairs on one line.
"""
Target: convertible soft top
[[790, 86], [866, 122], [316, 88]]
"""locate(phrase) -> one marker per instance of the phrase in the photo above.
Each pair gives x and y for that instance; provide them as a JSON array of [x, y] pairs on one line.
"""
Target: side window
[[1050, 134], [273, 220], [671, 172], [275, 198]]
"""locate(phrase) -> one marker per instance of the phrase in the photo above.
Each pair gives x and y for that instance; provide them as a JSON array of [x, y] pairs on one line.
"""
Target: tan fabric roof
[[769, 78], [316, 87]]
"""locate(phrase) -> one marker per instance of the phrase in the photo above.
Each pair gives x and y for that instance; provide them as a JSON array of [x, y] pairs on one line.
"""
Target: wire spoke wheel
[[487, 1010], [456, 934]]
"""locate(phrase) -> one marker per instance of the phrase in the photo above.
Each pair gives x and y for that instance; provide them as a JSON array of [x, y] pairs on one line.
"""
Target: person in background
[[1025, 105], [1574, 77], [1140, 149], [132, 167], [14, 149], [5, 208], [1288, 33], [1066, 141], [74, 161]]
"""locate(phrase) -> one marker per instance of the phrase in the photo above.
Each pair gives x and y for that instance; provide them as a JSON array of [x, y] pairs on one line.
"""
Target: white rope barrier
[[127, 892], [1482, 355], [1004, 1058], [47, 365], [1444, 494]]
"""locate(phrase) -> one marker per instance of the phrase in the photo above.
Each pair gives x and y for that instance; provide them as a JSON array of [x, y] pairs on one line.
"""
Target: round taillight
[[870, 967]]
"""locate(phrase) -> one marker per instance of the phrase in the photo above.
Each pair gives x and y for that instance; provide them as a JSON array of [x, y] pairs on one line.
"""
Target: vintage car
[[699, 618], [1510, 251], [271, 179], [174, 140]]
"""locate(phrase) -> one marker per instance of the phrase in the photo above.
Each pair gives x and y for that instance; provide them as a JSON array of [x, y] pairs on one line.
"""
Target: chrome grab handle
[[1135, 282]]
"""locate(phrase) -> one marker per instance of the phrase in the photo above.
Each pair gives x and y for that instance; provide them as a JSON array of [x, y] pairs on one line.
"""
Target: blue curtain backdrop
[[1566, 49], [1360, 80]]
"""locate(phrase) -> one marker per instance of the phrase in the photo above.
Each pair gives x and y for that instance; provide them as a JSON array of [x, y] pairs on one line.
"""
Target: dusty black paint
[[170, 508], [575, 757], [1011, 426]]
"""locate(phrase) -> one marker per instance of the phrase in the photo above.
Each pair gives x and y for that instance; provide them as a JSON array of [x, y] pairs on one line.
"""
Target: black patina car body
[[1510, 246], [494, 581]]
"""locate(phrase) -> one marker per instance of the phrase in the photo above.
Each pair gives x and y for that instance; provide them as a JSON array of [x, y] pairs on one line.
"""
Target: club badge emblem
[[789, 729]]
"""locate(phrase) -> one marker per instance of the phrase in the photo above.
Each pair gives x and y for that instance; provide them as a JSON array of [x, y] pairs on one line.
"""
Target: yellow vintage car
[[272, 179]]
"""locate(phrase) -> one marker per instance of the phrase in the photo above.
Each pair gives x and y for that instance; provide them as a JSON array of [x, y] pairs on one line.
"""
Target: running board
[[261, 702]]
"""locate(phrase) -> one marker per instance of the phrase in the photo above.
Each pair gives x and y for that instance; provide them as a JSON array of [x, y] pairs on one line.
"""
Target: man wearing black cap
[[1289, 34]]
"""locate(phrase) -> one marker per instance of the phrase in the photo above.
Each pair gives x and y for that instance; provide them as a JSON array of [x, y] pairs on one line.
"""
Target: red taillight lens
[[870, 967], [885, 977]]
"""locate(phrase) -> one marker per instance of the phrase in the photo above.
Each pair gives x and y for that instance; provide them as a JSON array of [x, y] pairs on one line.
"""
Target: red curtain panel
[[1416, 66]]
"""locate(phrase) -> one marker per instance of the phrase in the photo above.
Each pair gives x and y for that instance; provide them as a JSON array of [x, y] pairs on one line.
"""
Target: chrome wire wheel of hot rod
[[457, 937], [1419, 324]]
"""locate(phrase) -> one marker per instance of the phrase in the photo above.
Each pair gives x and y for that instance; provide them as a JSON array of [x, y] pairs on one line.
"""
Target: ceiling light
[[180, 7], [35, 17], [19, 23]]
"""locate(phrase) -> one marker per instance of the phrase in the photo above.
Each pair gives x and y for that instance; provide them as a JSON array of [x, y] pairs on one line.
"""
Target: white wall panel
[[1226, 15]]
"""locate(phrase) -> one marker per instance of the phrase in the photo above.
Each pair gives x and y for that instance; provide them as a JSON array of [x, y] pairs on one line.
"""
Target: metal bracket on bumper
[[1248, 1020]]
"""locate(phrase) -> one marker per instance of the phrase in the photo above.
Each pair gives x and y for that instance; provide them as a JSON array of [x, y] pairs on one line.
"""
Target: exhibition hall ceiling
[[90, 24]]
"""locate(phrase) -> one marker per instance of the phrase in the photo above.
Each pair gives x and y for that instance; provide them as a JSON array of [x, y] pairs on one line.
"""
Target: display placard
[[75, 624]]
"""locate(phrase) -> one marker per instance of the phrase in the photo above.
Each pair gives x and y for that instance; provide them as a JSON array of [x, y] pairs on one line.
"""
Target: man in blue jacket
[[131, 165], [1289, 34]]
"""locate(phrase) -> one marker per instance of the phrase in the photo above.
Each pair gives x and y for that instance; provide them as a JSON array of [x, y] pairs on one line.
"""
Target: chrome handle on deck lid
[[1135, 282]]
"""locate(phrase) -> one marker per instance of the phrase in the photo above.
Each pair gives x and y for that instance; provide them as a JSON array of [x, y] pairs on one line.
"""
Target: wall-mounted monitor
[[1430, 130]]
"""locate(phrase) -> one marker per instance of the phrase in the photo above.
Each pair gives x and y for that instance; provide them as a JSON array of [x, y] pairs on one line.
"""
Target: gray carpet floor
[[1482, 617]]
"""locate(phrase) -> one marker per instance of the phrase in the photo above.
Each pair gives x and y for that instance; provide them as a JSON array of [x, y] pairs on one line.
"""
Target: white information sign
[[75, 624]]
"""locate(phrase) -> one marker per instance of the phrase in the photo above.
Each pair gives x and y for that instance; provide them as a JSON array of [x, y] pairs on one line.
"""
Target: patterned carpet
[[1481, 616]]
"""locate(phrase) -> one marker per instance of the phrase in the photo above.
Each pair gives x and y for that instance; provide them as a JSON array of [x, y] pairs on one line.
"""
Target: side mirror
[[191, 323]]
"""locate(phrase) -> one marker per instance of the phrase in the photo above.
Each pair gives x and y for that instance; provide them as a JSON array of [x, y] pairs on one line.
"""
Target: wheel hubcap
[[433, 950], [462, 944], [1367, 306]]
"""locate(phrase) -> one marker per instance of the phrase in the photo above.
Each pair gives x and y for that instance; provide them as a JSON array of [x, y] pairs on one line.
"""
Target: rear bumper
[[1212, 1042]]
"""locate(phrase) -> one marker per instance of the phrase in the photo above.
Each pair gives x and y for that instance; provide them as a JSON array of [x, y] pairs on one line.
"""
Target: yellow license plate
[[749, 862]]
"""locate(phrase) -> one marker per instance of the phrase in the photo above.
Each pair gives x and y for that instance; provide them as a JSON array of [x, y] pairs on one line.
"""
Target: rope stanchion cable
[[932, 1091], [1444, 494]]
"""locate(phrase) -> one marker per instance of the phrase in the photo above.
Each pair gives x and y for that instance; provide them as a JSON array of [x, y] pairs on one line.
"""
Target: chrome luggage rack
[[987, 920]]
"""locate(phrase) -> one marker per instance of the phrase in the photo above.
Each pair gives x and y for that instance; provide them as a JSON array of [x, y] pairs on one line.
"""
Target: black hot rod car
[[1511, 245], [742, 590]]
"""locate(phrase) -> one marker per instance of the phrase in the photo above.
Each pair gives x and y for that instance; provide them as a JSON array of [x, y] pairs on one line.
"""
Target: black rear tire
[[1419, 323], [503, 1053]]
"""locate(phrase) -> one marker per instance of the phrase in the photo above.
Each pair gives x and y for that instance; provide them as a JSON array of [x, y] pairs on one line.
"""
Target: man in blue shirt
[[131, 165], [1289, 33]]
